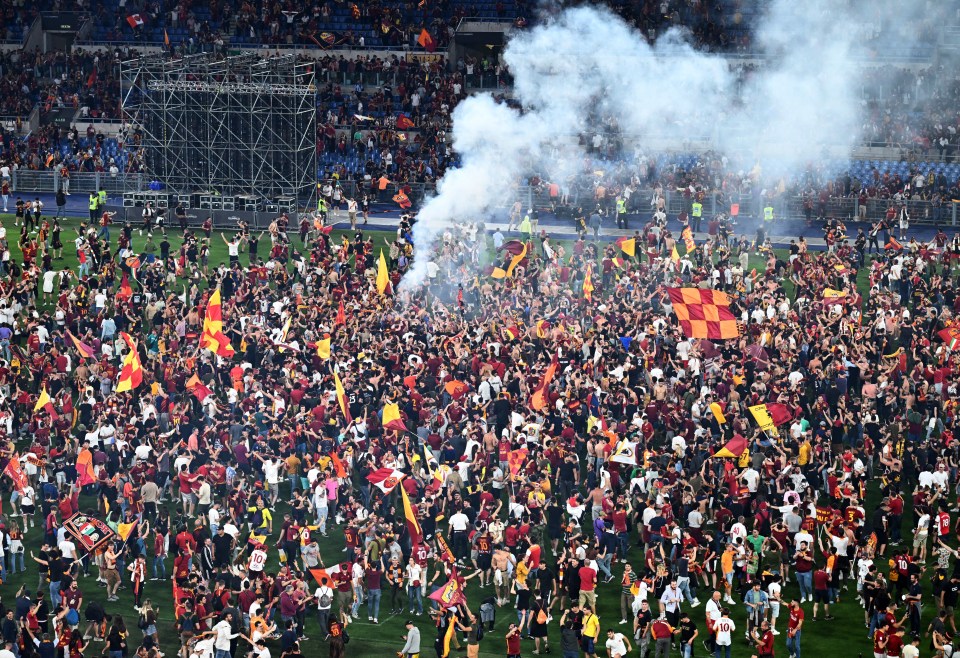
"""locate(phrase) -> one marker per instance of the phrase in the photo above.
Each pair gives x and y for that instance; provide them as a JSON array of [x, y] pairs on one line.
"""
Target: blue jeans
[[222, 654], [793, 644], [686, 650], [159, 568], [373, 603], [55, 594], [805, 581], [722, 651], [13, 561], [414, 595]]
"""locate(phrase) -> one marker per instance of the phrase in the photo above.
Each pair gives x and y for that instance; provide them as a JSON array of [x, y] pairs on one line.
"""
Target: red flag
[[135, 21], [456, 389], [16, 474], [338, 466], [426, 41], [341, 316], [404, 122], [780, 413], [125, 292]]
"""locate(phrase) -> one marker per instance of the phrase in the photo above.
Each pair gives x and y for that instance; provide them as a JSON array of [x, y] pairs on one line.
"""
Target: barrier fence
[[785, 207]]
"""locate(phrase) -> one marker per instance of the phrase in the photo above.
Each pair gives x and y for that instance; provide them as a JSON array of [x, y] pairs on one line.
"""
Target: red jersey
[[796, 617]]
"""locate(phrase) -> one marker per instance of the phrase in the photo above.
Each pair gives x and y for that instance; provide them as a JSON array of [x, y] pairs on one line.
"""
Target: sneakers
[[623, 621], [376, 621], [695, 603], [775, 632]]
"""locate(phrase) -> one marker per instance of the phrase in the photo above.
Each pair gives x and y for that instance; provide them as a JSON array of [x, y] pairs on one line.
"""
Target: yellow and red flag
[[628, 246], [588, 284], [44, 402], [213, 337], [323, 347], [383, 276], [516, 260], [342, 398], [732, 448], [131, 375], [198, 388], [413, 525], [81, 347], [539, 399], [392, 420]]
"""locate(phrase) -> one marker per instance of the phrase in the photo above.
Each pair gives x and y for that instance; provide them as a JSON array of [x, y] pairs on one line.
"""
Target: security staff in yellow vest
[[621, 213], [93, 205], [526, 227], [322, 208], [696, 214], [102, 200], [768, 213]]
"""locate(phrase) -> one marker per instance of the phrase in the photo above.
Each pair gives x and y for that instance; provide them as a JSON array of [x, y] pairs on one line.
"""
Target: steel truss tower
[[238, 124]]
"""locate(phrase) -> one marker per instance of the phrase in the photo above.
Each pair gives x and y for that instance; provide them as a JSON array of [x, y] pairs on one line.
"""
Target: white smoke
[[586, 63]]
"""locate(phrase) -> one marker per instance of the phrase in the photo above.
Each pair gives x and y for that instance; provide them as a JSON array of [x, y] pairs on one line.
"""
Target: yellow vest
[[93, 202], [102, 197], [768, 214], [697, 209]]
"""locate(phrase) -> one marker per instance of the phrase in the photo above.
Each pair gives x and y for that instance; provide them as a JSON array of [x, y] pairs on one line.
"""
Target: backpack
[[325, 600]]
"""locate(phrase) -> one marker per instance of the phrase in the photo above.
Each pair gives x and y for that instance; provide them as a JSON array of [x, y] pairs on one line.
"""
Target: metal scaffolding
[[243, 124]]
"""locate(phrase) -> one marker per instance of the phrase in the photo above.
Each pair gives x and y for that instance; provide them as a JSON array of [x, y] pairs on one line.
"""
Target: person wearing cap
[[411, 645]]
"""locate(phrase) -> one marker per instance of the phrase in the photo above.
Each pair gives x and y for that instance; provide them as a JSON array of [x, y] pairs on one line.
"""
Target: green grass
[[845, 636]]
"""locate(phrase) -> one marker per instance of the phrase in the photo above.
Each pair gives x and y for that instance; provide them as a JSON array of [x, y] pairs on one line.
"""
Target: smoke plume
[[585, 63]]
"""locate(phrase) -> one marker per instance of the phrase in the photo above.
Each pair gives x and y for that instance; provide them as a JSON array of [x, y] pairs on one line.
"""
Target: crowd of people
[[549, 441]]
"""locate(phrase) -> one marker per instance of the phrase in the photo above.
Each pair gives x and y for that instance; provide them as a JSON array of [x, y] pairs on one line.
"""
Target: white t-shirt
[[616, 646], [459, 522], [802, 537], [271, 472], [68, 549]]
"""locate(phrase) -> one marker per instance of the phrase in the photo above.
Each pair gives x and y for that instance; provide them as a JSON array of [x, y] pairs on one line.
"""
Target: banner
[[764, 420], [91, 533]]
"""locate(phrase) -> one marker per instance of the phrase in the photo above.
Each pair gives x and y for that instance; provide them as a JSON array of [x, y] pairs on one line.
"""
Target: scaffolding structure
[[241, 124]]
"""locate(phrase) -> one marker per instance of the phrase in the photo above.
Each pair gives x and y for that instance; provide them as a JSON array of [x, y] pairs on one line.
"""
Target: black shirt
[[687, 630]]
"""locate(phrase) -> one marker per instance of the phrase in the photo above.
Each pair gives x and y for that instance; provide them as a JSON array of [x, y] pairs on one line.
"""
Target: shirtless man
[[110, 573], [502, 563]]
